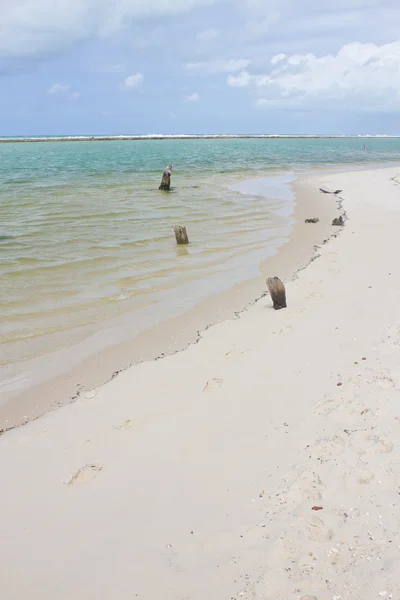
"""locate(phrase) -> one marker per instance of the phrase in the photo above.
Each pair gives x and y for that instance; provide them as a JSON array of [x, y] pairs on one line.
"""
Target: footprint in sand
[[328, 448], [305, 567], [125, 425], [385, 383], [289, 545], [85, 474], [318, 531], [213, 384], [325, 407], [308, 486], [336, 410], [91, 394], [359, 476], [372, 443]]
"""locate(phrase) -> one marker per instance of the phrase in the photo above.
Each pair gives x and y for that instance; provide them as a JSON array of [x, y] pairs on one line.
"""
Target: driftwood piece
[[339, 221], [328, 191], [181, 234], [277, 292], [313, 220], [166, 179]]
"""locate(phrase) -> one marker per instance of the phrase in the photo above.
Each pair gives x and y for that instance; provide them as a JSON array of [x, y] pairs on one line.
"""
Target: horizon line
[[162, 136]]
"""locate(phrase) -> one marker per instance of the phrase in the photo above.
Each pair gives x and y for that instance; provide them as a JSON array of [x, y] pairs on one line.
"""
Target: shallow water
[[86, 235]]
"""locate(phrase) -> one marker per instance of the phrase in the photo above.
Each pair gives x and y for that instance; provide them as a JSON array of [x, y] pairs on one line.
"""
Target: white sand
[[194, 477]]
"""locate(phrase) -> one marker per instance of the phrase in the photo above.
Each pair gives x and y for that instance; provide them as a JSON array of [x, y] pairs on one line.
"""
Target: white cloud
[[261, 103], [207, 35], [242, 80], [59, 88], [132, 82], [366, 76], [100, 66], [32, 28], [277, 58], [212, 67], [63, 90], [343, 20], [118, 68], [192, 98]]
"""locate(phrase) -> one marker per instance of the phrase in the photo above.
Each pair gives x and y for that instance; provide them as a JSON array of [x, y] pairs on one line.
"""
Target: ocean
[[86, 237]]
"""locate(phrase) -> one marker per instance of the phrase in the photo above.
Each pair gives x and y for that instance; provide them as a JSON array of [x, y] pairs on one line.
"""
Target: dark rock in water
[[313, 220], [339, 221], [277, 292], [166, 179]]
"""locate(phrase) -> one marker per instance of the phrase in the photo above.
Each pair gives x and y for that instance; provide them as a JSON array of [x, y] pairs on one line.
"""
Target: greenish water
[[86, 236]]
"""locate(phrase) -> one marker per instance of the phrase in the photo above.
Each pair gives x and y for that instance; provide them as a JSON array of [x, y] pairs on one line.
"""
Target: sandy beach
[[57, 378], [261, 462]]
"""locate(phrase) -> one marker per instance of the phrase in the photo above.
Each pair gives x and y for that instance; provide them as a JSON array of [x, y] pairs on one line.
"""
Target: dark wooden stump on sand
[[181, 234], [339, 221], [166, 179], [277, 292]]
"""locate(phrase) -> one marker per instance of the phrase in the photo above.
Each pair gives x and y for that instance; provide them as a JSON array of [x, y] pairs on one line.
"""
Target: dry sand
[[195, 476]]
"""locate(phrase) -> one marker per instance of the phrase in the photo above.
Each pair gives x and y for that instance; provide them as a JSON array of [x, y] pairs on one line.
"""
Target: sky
[[199, 66]]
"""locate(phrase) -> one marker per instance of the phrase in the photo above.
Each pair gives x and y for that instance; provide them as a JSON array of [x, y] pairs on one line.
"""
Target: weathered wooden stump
[[181, 234], [339, 221], [166, 179], [277, 292], [313, 220]]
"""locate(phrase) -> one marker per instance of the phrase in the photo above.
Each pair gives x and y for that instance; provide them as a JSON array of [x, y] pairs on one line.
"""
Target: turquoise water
[[86, 236]]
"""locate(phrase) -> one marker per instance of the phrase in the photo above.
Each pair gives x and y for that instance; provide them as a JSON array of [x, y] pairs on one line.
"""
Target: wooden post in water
[[277, 292], [166, 179], [181, 234]]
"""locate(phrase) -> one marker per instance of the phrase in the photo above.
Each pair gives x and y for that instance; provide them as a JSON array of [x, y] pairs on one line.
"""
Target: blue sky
[[199, 66]]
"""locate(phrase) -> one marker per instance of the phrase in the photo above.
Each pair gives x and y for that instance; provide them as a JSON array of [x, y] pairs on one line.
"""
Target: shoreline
[[176, 333], [260, 463]]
